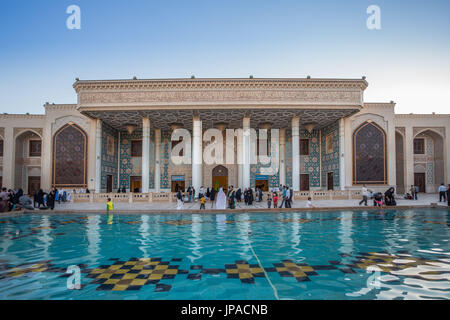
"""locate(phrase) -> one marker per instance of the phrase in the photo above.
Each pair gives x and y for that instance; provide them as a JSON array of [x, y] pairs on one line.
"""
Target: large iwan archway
[[70, 157], [220, 177], [27, 158], [369, 155], [429, 167]]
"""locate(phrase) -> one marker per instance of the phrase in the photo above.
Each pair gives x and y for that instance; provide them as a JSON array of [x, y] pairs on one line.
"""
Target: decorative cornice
[[423, 116], [183, 84], [22, 116], [60, 106], [380, 104]]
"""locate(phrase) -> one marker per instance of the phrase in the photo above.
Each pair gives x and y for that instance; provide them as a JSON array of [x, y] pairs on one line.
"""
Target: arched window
[[369, 155], [70, 157]]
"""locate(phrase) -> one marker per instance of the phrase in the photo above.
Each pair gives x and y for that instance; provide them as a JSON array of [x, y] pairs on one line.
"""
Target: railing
[[162, 196], [327, 195], [171, 196], [81, 197]]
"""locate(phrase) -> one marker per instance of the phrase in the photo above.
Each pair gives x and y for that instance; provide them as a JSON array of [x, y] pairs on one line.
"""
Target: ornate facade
[[118, 135]]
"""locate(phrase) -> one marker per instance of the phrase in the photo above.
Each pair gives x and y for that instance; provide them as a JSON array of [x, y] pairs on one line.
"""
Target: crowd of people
[[12, 200], [389, 197], [228, 199]]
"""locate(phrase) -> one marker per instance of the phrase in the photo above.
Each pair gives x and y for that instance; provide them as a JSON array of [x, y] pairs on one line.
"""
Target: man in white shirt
[[287, 202], [364, 193], [309, 203], [441, 191]]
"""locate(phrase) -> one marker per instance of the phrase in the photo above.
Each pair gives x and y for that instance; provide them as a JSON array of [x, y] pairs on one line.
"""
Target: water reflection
[[93, 236], [145, 240], [244, 230], [345, 232], [6, 241], [295, 235], [196, 229], [44, 237], [221, 223]]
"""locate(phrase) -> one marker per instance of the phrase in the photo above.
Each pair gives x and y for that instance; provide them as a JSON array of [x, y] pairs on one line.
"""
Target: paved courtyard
[[424, 200]]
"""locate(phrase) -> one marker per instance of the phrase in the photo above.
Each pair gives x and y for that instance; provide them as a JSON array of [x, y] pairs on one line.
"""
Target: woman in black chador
[[389, 197], [231, 198]]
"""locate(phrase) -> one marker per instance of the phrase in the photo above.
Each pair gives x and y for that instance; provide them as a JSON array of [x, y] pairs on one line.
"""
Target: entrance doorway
[[330, 181], [109, 183], [135, 184], [178, 183], [419, 180], [34, 184], [220, 177], [304, 182], [263, 184]]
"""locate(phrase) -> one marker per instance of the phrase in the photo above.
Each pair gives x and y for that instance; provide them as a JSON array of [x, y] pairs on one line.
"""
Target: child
[[202, 202], [378, 199], [269, 201], [309, 203], [109, 208], [275, 200]]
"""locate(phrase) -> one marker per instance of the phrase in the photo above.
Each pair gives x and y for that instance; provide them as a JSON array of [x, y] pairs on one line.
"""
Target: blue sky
[[407, 61]]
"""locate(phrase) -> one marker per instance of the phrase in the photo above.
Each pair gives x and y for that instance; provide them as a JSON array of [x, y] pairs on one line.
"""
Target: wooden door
[[304, 182], [34, 184], [177, 185], [220, 182], [263, 184], [135, 184], [109, 183], [330, 181], [419, 180]]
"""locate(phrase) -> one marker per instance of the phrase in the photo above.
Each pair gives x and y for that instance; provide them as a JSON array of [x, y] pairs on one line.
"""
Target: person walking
[[213, 196], [448, 195], [364, 193], [442, 190], [275, 200], [221, 202], [283, 196], [179, 200], [202, 202], [269, 201], [51, 199], [413, 192], [231, 198], [287, 197], [416, 192], [251, 198]]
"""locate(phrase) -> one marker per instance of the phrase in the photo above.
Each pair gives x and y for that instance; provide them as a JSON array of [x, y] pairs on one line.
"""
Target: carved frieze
[[329, 97]]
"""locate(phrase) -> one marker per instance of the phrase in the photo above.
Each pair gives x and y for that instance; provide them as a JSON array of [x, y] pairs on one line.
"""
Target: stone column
[[348, 153], [447, 153], [246, 149], [342, 153], [91, 154], [8, 158], [282, 157], [145, 154], [157, 160], [46, 157], [409, 157], [296, 153], [240, 160], [197, 156], [391, 154], [98, 156]]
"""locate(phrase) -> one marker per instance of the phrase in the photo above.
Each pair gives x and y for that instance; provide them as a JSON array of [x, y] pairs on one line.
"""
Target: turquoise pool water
[[320, 255]]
